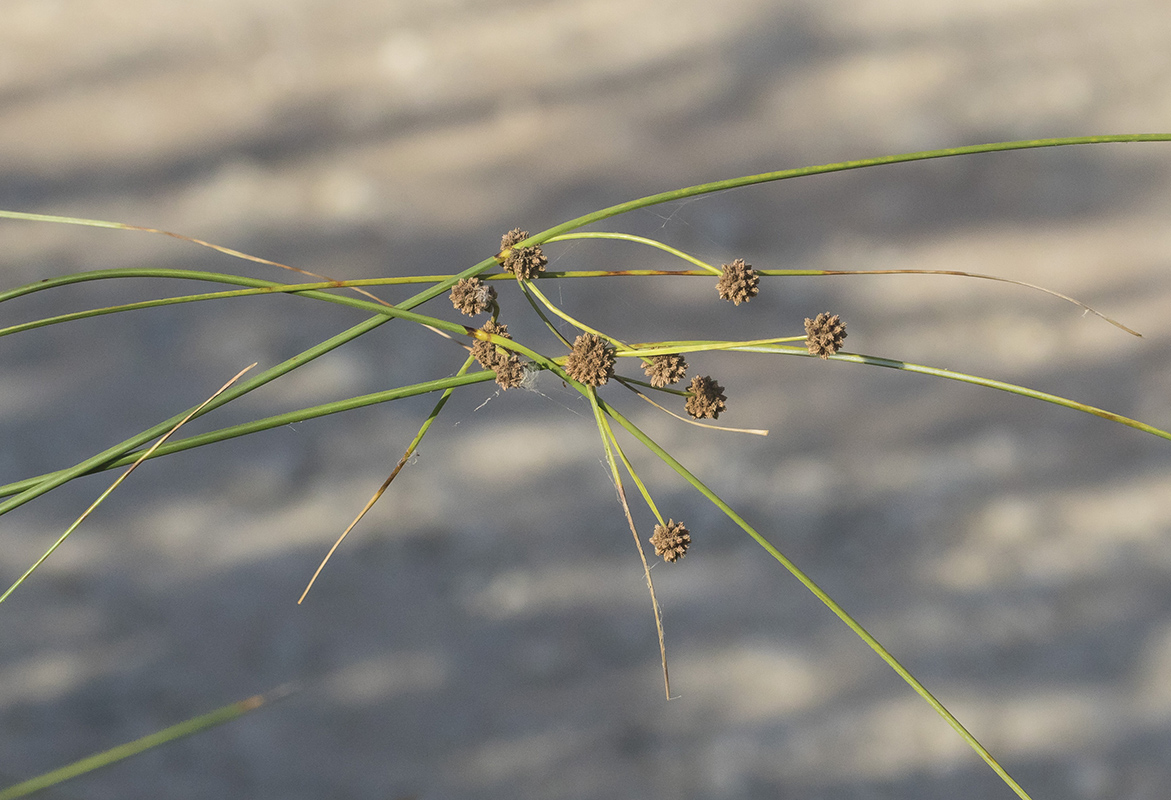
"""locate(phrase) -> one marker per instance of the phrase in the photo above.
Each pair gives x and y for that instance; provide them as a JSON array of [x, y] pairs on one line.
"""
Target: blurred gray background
[[485, 632]]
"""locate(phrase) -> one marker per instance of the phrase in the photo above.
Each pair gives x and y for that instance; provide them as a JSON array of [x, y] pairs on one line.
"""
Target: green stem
[[528, 290], [426, 426], [610, 444], [671, 348], [821, 595], [203, 275], [194, 725], [276, 421], [574, 322], [383, 314], [310, 290], [1012, 388], [646, 495], [627, 237], [841, 166], [401, 310]]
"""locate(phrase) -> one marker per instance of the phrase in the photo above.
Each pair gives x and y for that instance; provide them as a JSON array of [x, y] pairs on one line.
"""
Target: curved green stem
[[670, 348], [530, 287], [258, 285], [268, 423], [1012, 388], [194, 725], [203, 275], [627, 237], [383, 314], [821, 169], [610, 445]]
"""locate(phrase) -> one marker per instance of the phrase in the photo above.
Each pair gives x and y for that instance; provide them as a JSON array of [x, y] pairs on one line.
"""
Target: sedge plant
[[598, 364]]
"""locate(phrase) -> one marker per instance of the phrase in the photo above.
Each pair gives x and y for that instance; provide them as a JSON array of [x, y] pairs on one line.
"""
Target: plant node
[[524, 262], [824, 334], [707, 398], [472, 296], [671, 540], [666, 370], [738, 282], [592, 360]]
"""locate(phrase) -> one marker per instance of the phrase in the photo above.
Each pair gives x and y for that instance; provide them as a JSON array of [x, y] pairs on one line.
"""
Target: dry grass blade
[[996, 278], [610, 444], [97, 223], [146, 454], [697, 423], [369, 505], [238, 254], [386, 484], [650, 585]]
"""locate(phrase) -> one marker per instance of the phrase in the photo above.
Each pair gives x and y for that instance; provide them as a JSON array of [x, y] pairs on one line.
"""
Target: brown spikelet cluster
[[824, 334], [509, 369], [512, 237], [671, 540], [486, 353], [592, 360], [510, 372], [472, 296], [707, 398], [738, 282], [524, 262], [666, 370]]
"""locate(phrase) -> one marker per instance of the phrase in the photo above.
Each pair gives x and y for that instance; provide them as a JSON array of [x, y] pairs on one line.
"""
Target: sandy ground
[[486, 632]]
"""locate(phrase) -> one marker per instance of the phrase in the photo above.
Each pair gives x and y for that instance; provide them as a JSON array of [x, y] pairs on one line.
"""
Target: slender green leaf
[[104, 759]]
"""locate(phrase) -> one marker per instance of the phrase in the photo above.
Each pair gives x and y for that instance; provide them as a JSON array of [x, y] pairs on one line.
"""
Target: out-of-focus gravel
[[485, 632]]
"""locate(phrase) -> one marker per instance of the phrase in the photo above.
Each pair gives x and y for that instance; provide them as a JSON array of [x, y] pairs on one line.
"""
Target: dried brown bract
[[524, 262], [707, 398], [824, 334], [666, 370], [592, 360], [738, 282], [487, 355], [472, 296], [671, 540]]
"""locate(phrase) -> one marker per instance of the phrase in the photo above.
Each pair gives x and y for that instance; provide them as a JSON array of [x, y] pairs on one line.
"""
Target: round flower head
[[592, 360], [824, 334], [671, 540], [666, 370], [524, 262], [510, 372], [472, 296], [707, 398], [512, 237], [738, 282]]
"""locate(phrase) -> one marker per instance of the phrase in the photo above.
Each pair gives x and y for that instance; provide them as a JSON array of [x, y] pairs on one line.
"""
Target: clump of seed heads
[[526, 263], [509, 369]]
